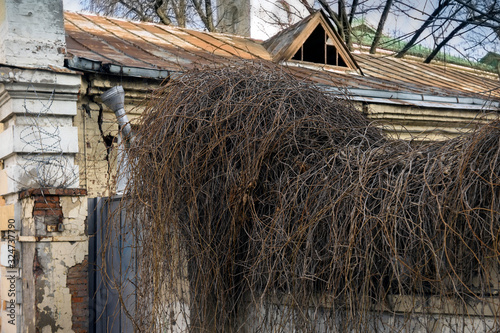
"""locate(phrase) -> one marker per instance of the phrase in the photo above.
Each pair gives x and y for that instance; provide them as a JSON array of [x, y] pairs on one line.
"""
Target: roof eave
[[88, 65]]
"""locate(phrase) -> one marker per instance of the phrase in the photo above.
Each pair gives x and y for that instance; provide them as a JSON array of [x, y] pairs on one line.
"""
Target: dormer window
[[320, 48], [312, 40]]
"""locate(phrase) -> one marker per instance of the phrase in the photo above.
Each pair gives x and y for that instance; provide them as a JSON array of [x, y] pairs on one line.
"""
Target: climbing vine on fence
[[262, 201]]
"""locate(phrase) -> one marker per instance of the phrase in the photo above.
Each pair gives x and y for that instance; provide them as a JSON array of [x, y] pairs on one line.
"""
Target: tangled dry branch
[[261, 201]]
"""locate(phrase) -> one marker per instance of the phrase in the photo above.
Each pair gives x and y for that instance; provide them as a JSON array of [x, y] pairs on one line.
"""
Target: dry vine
[[263, 203]]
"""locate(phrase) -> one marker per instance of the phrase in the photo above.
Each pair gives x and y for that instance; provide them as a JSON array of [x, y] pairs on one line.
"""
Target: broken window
[[320, 48]]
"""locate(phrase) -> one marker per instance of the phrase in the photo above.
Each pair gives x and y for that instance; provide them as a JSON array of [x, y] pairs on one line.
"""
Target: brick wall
[[49, 205], [77, 282]]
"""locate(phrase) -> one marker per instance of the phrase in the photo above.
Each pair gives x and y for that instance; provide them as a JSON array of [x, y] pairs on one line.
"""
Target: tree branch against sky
[[183, 13], [430, 19]]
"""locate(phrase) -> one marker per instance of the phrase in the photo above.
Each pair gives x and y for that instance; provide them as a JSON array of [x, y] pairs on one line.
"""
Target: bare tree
[[448, 20], [430, 19], [380, 27], [181, 13], [343, 13]]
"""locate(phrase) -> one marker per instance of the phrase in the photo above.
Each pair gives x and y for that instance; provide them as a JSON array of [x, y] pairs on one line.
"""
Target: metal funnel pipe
[[114, 98]]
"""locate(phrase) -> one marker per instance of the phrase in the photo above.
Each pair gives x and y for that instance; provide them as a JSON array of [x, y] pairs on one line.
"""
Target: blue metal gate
[[112, 267]]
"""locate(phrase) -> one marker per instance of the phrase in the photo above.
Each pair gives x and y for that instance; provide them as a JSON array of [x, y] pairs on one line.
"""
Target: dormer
[[313, 40]]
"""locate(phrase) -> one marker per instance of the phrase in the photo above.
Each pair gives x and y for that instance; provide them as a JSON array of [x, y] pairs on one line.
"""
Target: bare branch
[[424, 26], [161, 14], [445, 41]]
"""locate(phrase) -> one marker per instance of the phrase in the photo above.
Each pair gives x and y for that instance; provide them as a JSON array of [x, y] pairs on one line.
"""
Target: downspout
[[114, 99]]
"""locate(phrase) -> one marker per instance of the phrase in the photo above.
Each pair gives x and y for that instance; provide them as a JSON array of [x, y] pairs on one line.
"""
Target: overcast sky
[[72, 5]]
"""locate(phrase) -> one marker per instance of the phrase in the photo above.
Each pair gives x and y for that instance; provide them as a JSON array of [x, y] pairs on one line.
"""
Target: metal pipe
[[114, 98]]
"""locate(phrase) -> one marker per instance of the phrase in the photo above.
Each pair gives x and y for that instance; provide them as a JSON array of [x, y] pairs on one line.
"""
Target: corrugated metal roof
[[135, 48]]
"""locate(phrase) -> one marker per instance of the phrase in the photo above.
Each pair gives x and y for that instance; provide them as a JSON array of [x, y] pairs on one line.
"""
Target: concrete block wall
[[98, 130]]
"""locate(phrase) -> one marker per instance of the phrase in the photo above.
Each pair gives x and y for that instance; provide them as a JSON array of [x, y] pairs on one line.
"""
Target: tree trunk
[[380, 27], [354, 6], [346, 27], [210, 16], [334, 17], [161, 14]]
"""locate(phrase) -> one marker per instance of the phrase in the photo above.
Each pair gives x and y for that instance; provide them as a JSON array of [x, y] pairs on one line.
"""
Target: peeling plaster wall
[[49, 256], [53, 297], [35, 40]]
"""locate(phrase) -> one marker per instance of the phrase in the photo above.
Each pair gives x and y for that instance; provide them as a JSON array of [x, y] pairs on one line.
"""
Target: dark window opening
[[320, 49], [314, 47], [332, 55], [298, 55]]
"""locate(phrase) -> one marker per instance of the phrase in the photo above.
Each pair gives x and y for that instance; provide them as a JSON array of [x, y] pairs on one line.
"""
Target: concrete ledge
[[52, 80], [35, 239], [33, 106], [16, 178]]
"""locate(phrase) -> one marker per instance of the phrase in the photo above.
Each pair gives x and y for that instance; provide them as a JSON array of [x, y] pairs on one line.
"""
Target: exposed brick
[[52, 191], [45, 199], [49, 205], [48, 212], [77, 282]]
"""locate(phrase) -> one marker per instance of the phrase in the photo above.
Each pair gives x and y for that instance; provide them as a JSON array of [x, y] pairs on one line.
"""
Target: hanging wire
[[44, 161]]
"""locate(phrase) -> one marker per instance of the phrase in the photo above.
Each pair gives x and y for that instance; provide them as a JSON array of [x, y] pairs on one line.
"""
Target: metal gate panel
[[112, 267]]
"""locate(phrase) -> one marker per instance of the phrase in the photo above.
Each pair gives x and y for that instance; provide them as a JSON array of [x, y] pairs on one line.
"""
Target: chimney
[[260, 19], [32, 33]]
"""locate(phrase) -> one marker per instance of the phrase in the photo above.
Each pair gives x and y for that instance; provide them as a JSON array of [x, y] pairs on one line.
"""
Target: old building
[[58, 140]]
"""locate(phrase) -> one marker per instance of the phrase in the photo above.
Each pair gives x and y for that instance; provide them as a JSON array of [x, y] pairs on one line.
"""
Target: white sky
[[72, 5]]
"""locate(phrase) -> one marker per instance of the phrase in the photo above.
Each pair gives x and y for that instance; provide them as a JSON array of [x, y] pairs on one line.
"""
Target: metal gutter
[[83, 64], [414, 99]]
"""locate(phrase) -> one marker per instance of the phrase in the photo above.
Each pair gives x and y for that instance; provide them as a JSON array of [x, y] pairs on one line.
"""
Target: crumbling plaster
[[53, 297], [51, 261], [35, 40]]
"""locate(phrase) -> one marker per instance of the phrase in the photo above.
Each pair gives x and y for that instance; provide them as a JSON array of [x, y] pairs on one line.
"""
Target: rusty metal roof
[[103, 44]]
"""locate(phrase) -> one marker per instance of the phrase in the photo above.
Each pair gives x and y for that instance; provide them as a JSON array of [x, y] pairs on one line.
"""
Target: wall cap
[[52, 191]]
